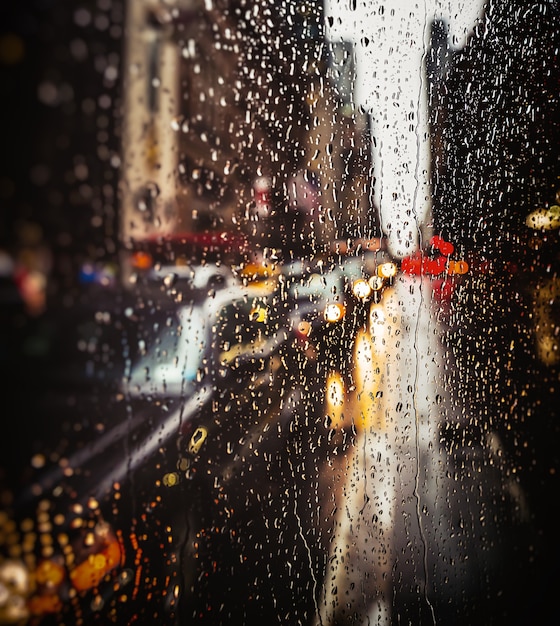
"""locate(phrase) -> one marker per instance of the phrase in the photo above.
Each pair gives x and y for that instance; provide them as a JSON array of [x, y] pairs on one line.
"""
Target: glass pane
[[280, 312]]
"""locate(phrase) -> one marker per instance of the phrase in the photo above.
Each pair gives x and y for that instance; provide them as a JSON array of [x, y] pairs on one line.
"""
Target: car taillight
[[142, 260]]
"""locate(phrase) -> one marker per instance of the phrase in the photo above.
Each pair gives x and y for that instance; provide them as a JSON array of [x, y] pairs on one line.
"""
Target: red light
[[435, 266], [439, 243], [412, 265], [443, 290], [446, 248]]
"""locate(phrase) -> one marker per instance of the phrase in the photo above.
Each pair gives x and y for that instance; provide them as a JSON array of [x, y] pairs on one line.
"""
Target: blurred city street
[[279, 313], [289, 509]]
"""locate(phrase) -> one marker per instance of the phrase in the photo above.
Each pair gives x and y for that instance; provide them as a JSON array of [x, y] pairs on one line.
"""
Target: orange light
[[49, 572], [334, 399], [90, 572], [304, 328], [458, 267], [142, 260], [258, 271], [42, 604]]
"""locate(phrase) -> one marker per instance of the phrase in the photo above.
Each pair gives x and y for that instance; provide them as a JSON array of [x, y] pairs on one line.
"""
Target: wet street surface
[[237, 521]]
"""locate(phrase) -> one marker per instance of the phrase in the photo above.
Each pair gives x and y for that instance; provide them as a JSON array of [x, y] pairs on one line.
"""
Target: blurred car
[[202, 353], [186, 347], [146, 259], [337, 304], [74, 557], [330, 300]]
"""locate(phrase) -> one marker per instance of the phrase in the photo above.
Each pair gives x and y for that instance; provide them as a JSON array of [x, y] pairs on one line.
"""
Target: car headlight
[[334, 312], [361, 289], [376, 283], [387, 270]]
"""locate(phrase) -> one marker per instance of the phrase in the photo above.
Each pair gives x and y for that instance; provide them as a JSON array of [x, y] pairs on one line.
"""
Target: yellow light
[[258, 314], [171, 479], [368, 357], [375, 282], [544, 219], [334, 312], [335, 399], [361, 289], [387, 270], [197, 439]]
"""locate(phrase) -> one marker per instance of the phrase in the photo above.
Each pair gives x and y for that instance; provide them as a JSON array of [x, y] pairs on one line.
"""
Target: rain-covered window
[[280, 312]]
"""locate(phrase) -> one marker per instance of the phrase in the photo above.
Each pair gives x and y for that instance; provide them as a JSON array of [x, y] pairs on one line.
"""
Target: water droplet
[[170, 280]]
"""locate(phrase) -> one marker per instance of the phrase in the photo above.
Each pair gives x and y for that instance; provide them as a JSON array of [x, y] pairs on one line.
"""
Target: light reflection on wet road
[[398, 528]]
